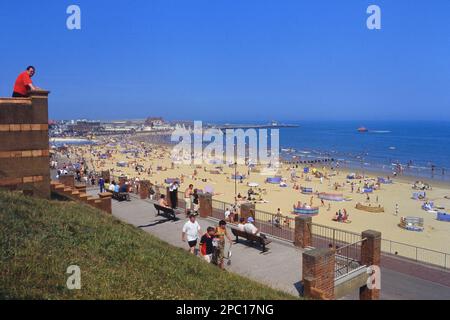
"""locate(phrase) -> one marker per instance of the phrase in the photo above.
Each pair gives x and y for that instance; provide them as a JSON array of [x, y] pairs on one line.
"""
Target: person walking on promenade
[[206, 244], [23, 84], [101, 183], [220, 235], [191, 233]]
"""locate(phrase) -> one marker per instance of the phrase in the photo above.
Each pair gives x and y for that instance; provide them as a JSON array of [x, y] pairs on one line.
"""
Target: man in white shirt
[[249, 227], [227, 214], [191, 233]]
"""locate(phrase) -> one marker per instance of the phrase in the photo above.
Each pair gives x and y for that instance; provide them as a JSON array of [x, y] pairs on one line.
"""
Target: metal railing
[[417, 254], [347, 246], [278, 226], [322, 236], [348, 258], [218, 209], [328, 237], [268, 223]]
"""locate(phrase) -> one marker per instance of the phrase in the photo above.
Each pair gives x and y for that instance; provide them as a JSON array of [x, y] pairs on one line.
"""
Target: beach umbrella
[[253, 184]]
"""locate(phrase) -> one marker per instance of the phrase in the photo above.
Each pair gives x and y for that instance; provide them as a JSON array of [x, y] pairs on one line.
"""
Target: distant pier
[[253, 126]]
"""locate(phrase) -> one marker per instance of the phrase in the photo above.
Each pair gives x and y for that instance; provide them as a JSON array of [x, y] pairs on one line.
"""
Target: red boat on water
[[362, 129]]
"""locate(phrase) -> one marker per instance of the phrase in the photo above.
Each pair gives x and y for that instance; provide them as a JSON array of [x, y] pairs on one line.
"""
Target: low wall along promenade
[[24, 148]]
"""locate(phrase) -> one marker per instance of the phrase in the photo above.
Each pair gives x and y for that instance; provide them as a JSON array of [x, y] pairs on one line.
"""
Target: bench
[[121, 196], [251, 237], [166, 212]]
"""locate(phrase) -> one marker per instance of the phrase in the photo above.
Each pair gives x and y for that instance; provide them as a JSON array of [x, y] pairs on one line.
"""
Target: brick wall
[[302, 232], [318, 273], [24, 149], [247, 210], [370, 256], [205, 203]]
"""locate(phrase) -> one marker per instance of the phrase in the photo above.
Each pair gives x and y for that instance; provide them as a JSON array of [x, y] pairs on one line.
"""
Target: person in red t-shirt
[[206, 244], [23, 83]]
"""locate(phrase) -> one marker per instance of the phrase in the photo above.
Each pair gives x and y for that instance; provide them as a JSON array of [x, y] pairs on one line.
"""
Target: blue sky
[[288, 60]]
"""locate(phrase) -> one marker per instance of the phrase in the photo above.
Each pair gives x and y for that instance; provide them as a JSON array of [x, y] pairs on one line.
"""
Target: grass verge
[[40, 239]]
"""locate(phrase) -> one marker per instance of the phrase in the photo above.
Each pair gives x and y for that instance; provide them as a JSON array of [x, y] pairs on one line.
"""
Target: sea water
[[420, 148]]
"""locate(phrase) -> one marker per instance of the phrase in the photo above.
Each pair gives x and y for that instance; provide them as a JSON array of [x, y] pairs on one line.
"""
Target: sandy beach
[[436, 234]]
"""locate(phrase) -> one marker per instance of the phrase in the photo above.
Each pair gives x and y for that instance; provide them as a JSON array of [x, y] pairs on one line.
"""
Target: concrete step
[[58, 186]]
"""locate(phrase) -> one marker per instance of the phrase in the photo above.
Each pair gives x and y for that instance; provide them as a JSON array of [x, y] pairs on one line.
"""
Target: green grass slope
[[39, 239]]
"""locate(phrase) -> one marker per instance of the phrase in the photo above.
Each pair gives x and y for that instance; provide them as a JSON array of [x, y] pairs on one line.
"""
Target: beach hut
[[443, 216], [274, 180], [411, 224], [331, 196]]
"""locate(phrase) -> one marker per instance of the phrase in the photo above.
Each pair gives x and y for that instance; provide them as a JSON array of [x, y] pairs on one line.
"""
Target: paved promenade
[[280, 267]]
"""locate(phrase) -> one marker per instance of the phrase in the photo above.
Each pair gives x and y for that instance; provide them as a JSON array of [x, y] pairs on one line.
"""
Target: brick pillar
[[106, 175], [318, 273], [247, 210], [302, 232], [205, 202], [39, 100], [371, 256], [68, 180], [144, 189], [106, 204]]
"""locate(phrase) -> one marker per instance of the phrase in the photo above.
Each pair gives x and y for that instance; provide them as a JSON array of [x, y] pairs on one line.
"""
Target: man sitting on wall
[[23, 84]]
